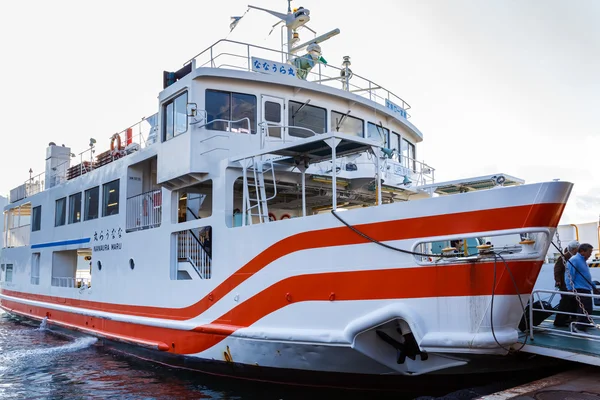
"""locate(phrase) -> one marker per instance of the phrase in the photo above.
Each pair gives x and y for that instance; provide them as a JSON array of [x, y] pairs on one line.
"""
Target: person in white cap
[[567, 302]]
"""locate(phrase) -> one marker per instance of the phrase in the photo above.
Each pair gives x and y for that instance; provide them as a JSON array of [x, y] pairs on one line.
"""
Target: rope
[[496, 256]]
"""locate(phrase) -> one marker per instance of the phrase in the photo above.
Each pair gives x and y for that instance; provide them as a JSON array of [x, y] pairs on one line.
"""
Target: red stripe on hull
[[434, 281], [535, 215]]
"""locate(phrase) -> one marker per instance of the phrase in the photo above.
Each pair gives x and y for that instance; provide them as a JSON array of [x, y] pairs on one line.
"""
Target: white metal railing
[[132, 138], [144, 211], [535, 297], [238, 55], [193, 249], [70, 282], [229, 122], [265, 136], [418, 171]]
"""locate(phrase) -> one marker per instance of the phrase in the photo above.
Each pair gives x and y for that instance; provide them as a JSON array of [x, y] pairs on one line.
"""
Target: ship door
[[273, 117]]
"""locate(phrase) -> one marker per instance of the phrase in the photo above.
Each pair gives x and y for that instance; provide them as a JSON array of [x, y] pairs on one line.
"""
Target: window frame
[[12, 271], [106, 198], [386, 131], [35, 267], [63, 221], [172, 121], [411, 146], [229, 112], [36, 212], [362, 123], [86, 203], [71, 198], [291, 125]]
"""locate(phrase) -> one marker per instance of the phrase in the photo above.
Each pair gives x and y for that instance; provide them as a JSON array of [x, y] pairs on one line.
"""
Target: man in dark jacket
[[567, 302]]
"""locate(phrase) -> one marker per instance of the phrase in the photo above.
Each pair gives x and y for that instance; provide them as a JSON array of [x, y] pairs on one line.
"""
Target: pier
[[565, 343]]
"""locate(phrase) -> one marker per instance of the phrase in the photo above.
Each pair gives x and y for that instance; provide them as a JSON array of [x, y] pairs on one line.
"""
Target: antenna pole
[[289, 6]]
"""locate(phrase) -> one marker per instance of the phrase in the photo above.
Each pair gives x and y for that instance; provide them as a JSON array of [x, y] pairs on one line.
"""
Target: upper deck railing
[[132, 138], [238, 55]]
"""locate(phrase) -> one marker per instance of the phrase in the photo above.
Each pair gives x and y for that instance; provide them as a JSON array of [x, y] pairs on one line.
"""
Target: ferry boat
[[271, 221]]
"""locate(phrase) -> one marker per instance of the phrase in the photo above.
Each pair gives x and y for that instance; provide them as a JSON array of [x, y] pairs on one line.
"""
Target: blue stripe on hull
[[61, 243]]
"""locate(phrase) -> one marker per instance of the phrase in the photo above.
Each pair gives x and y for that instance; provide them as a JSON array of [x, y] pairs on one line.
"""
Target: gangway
[[568, 343]]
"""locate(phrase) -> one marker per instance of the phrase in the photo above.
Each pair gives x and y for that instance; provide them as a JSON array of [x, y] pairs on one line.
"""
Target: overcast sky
[[508, 86]]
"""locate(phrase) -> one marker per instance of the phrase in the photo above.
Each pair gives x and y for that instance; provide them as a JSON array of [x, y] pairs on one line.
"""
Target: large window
[[408, 154], [60, 212], [36, 220], [110, 198], [378, 133], [75, 208], [303, 115], [175, 117], [91, 203], [346, 124], [230, 106]]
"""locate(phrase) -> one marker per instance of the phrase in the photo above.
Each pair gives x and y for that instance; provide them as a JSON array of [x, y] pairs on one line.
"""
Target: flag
[[234, 22]]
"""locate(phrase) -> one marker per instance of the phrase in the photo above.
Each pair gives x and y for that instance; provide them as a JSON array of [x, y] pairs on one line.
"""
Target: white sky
[[507, 86]]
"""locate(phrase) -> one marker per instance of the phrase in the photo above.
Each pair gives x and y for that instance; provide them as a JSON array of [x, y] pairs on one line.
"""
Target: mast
[[294, 20]]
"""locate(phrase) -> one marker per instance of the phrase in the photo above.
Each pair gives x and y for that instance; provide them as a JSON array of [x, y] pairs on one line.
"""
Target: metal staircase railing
[[191, 249], [258, 170]]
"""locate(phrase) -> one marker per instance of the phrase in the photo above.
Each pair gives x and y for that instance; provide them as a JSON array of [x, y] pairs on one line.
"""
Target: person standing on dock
[[567, 302], [581, 282]]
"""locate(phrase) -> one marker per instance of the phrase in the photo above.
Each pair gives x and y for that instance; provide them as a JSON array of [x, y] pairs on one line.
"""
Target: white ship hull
[[312, 299]]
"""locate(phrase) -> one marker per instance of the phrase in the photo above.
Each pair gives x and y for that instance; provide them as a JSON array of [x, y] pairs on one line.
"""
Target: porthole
[[131, 263], [99, 265]]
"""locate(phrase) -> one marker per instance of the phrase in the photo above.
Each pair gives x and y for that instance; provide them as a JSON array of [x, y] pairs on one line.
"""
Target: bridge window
[[239, 108], [305, 116], [378, 133], [75, 208], [175, 117], [408, 154], [60, 212], [110, 198], [91, 203], [36, 220], [346, 124]]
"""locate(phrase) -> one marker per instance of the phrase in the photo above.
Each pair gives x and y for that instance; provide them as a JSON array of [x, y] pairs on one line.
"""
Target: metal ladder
[[258, 168]]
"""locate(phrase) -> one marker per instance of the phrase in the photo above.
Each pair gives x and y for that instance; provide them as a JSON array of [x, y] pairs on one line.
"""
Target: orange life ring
[[116, 137], [285, 216], [272, 217]]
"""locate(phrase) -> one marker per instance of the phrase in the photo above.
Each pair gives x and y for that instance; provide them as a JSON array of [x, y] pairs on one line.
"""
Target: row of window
[[237, 112], [110, 206]]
